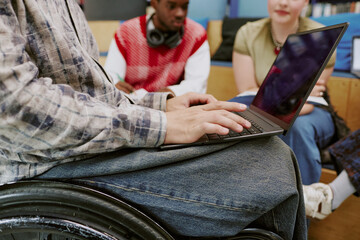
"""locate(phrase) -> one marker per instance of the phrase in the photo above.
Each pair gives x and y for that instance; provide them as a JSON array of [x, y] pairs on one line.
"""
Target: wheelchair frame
[[44, 210]]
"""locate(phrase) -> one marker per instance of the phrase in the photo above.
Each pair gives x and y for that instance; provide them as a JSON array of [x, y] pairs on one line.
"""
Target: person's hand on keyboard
[[191, 122], [188, 100]]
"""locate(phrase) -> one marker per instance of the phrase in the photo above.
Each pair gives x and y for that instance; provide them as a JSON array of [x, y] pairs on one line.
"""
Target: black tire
[[256, 234], [46, 210]]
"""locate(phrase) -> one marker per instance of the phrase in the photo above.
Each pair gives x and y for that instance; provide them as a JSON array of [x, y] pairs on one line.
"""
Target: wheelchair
[[54, 210]]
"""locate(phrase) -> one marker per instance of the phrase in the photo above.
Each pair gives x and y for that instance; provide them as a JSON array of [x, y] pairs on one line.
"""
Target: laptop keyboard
[[255, 128]]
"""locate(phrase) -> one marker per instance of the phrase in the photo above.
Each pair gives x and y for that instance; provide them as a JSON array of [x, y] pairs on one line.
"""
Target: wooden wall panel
[[339, 90], [353, 113], [104, 32], [221, 83], [214, 35]]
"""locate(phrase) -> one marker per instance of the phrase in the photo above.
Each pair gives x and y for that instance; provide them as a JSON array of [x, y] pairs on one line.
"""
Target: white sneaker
[[318, 199]]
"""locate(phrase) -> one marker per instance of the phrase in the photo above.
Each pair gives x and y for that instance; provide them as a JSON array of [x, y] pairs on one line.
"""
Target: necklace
[[278, 45]]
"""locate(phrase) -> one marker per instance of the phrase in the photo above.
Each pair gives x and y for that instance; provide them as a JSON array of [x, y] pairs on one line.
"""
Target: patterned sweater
[[57, 104], [156, 68]]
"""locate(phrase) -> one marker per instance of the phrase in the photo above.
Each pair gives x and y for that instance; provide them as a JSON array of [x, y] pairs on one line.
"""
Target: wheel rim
[[51, 228], [64, 203]]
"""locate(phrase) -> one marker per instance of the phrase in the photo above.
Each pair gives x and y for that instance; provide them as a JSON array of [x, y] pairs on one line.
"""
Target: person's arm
[[53, 121], [318, 90], [115, 65], [244, 72], [320, 86], [243, 63], [197, 70]]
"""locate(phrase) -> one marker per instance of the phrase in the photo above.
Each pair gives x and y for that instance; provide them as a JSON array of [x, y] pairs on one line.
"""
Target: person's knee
[[302, 129]]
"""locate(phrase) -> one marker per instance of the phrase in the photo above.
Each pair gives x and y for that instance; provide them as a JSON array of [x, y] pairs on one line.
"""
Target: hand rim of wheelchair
[[54, 227], [83, 207], [69, 210]]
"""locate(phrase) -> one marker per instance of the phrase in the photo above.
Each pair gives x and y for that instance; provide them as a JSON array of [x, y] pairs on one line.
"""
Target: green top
[[254, 39]]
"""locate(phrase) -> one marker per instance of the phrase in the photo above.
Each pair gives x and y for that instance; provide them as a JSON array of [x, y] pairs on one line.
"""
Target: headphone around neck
[[156, 38]]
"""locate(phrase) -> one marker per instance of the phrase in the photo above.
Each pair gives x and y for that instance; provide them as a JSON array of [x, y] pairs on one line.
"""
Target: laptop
[[355, 56], [286, 87]]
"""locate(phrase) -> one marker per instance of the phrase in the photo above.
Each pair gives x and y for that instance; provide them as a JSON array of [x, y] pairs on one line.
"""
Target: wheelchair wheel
[[256, 234], [45, 210]]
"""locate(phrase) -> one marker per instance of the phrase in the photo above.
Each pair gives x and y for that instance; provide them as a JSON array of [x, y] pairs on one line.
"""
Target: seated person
[[164, 51], [61, 117], [255, 48], [322, 199]]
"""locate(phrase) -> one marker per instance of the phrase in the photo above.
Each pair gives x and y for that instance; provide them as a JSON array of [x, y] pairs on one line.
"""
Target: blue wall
[[218, 9], [248, 8], [211, 9]]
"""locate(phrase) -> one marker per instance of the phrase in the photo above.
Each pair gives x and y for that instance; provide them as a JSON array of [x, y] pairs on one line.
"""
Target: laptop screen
[[294, 73]]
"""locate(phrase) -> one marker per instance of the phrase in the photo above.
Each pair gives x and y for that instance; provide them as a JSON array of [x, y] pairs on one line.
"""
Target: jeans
[[207, 191], [309, 134]]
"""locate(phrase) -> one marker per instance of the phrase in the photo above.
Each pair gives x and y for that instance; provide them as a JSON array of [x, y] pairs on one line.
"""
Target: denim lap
[[222, 192]]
